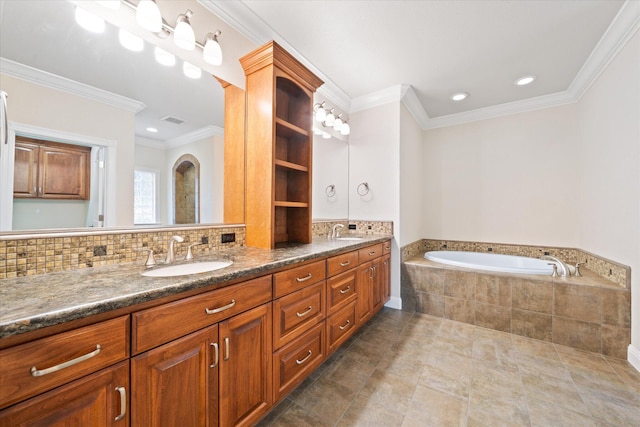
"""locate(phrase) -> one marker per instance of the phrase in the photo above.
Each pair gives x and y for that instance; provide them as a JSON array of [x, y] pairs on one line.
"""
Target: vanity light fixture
[[129, 41], [319, 112], [89, 21], [337, 125], [183, 35], [212, 53], [163, 57], [523, 81], [330, 120], [148, 16], [191, 70], [345, 129], [459, 96]]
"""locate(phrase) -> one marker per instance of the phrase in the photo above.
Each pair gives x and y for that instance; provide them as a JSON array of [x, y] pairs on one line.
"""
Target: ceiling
[[438, 48]]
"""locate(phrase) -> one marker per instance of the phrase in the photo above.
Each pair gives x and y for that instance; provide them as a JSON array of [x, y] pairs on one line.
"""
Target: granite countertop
[[34, 302]]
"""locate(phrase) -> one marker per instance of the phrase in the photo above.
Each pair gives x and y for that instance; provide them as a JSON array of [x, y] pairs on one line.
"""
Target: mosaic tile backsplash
[[605, 268]]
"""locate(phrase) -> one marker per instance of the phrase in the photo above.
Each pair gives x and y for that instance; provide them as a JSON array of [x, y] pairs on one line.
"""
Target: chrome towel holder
[[363, 189]]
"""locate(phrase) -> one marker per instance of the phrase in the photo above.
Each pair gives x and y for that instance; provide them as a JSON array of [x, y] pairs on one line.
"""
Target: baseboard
[[394, 302], [633, 356]]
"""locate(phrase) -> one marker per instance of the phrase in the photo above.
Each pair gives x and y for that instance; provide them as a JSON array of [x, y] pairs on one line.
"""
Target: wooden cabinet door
[[97, 400], [246, 367], [176, 384], [64, 173], [364, 288], [25, 171], [385, 278], [376, 287]]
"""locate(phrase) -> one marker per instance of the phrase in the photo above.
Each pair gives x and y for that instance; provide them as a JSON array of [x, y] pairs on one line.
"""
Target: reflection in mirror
[[330, 178]]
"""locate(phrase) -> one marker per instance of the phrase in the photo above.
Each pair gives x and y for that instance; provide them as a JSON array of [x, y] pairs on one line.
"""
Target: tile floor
[[410, 369]]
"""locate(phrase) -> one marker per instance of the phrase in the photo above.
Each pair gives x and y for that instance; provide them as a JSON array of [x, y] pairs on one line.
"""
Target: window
[[145, 196]]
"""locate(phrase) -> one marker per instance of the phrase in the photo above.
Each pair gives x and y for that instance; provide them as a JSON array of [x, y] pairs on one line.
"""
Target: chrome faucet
[[171, 253], [335, 233], [563, 269]]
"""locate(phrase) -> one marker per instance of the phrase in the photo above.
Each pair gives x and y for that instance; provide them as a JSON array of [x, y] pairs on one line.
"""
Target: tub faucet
[[171, 253], [563, 269], [335, 233]]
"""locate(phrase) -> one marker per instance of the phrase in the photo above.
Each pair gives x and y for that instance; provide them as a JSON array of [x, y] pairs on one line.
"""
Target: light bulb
[[89, 21], [346, 129], [330, 120], [191, 70], [129, 41], [338, 124], [148, 16], [321, 113], [212, 53], [164, 57], [183, 35]]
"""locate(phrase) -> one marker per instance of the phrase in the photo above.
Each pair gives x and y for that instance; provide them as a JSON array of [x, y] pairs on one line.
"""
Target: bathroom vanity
[[113, 347]]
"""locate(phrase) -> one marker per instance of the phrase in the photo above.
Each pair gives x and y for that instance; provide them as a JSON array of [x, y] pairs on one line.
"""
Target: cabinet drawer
[[386, 247], [341, 290], [369, 253], [342, 263], [43, 364], [340, 327], [167, 322], [297, 312], [293, 362], [299, 277]]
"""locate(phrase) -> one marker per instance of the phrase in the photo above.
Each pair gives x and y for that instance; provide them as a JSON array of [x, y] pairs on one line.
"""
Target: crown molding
[[53, 81], [196, 135], [380, 97]]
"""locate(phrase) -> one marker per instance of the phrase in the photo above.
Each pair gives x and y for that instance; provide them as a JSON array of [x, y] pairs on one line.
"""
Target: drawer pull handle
[[344, 264], [343, 327], [40, 372], [223, 308], [372, 253], [216, 353], [345, 290], [304, 313], [304, 359], [123, 403], [305, 278], [226, 348]]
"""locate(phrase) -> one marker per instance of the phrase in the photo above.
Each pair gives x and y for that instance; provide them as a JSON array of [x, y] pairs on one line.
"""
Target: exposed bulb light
[[129, 41], [148, 16], [89, 21], [338, 123], [522, 81], [152, 130], [163, 57], [212, 53], [320, 112], [183, 35], [459, 96], [330, 120], [191, 70], [345, 129], [110, 4]]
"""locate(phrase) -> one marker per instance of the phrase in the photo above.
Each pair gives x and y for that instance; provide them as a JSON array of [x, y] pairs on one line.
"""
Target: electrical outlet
[[228, 237], [352, 227], [204, 240]]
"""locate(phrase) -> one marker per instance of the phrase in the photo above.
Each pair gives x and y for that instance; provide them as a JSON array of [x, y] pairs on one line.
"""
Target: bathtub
[[491, 262]]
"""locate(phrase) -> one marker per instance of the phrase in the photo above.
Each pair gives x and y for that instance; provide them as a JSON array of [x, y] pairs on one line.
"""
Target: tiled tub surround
[[589, 312]]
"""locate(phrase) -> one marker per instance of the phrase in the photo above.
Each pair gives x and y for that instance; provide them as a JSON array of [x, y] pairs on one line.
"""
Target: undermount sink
[[349, 238], [184, 269]]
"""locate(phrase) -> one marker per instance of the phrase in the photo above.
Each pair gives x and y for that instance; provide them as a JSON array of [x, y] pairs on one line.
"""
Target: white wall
[[609, 153], [511, 179], [411, 179], [374, 158], [210, 153], [35, 105], [330, 167], [156, 159]]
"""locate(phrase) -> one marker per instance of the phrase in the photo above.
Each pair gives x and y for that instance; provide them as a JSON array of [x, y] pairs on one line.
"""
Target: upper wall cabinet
[[279, 104], [50, 170]]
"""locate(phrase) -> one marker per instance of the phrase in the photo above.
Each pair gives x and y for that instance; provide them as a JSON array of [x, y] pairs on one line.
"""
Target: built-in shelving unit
[[278, 144]]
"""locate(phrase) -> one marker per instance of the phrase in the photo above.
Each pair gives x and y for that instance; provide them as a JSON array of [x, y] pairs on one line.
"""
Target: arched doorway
[[186, 190]]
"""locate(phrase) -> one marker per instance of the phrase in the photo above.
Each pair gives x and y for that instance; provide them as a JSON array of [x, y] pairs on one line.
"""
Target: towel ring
[[330, 191], [363, 189]]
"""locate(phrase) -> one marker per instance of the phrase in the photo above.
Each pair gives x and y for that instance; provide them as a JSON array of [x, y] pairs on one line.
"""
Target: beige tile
[[576, 358], [366, 411], [343, 372], [423, 279], [531, 324], [390, 391], [446, 372], [561, 392], [531, 295], [326, 399], [532, 365], [577, 334], [296, 416], [436, 408], [543, 413], [615, 341], [495, 290], [460, 284], [503, 410], [626, 372], [460, 310], [616, 307], [534, 347], [605, 406], [432, 304], [577, 302], [493, 316]]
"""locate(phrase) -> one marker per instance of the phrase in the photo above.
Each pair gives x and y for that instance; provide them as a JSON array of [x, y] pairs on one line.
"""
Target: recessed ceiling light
[[522, 81], [152, 130], [459, 96]]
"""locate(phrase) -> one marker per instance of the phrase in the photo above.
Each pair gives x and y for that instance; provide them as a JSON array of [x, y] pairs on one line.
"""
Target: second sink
[[184, 269]]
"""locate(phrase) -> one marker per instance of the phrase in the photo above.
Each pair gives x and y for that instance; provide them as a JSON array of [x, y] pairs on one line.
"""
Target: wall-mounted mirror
[[44, 35]]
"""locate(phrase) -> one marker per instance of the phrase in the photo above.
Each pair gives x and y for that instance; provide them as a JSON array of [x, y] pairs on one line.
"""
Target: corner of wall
[[633, 356]]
